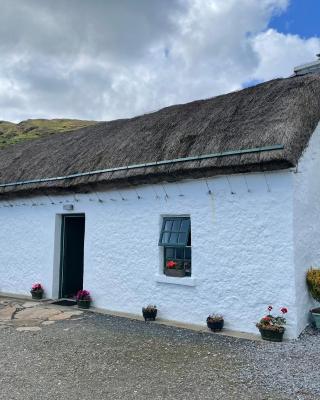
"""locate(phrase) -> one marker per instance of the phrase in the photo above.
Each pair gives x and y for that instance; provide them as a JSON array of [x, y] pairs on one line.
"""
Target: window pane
[[170, 252], [187, 268], [180, 264], [181, 257], [185, 225], [182, 238], [165, 237], [176, 225], [189, 239], [188, 253], [175, 231], [168, 225], [180, 253], [173, 238]]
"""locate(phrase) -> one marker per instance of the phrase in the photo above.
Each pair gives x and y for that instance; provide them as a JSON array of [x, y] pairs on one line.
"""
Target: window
[[175, 238]]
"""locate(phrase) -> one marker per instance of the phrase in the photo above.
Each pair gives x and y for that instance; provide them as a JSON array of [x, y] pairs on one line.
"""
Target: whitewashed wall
[[242, 248], [307, 223]]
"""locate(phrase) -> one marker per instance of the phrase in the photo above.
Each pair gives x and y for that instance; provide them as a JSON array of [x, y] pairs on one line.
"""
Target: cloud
[[278, 53], [112, 59]]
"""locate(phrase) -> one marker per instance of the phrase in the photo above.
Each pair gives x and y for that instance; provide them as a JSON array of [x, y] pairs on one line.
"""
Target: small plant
[[313, 283], [149, 312], [215, 317], [83, 295], [83, 299], [150, 307], [215, 322], [36, 291], [271, 322], [272, 327], [37, 287]]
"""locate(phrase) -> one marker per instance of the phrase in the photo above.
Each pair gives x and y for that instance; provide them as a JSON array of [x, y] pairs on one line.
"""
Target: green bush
[[313, 282]]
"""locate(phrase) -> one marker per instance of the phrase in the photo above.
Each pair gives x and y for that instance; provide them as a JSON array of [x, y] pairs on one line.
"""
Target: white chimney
[[310, 68]]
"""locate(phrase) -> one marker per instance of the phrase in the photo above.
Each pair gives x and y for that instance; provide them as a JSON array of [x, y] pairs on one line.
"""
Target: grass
[[11, 133]]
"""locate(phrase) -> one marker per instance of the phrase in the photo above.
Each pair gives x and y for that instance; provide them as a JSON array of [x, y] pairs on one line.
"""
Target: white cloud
[[278, 53], [110, 59]]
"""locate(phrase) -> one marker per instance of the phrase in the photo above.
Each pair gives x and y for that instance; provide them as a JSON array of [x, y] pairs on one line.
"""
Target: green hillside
[[11, 133]]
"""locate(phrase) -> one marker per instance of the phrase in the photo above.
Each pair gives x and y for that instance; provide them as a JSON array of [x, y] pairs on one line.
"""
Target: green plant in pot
[[272, 327], [83, 299], [313, 283], [215, 322], [37, 291], [149, 313]]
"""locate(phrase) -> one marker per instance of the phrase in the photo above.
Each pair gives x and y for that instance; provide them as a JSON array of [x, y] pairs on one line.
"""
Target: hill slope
[[11, 133]]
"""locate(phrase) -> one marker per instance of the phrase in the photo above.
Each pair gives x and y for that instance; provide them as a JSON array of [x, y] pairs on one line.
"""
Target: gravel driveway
[[104, 357]]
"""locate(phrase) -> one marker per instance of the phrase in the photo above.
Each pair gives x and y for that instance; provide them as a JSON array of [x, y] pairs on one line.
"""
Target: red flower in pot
[[272, 327], [83, 299], [171, 264], [37, 291]]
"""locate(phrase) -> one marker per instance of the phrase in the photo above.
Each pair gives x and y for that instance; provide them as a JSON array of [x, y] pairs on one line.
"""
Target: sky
[[108, 59]]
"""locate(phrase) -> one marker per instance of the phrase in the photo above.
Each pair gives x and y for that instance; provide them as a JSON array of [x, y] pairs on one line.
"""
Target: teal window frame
[[179, 252], [180, 229]]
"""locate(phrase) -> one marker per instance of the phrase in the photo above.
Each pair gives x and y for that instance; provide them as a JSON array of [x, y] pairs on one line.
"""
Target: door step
[[65, 302]]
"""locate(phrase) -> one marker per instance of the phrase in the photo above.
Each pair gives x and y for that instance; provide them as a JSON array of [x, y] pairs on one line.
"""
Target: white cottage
[[227, 190]]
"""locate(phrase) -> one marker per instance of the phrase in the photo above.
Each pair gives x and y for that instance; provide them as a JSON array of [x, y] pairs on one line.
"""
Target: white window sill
[[187, 281]]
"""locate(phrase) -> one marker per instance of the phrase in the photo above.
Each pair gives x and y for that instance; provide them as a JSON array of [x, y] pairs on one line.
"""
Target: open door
[[72, 245]]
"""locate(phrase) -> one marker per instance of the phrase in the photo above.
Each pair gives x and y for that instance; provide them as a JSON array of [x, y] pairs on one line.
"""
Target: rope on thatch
[[267, 183], [246, 182]]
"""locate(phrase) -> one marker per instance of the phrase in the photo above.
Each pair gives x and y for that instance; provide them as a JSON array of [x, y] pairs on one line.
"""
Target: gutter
[[146, 165]]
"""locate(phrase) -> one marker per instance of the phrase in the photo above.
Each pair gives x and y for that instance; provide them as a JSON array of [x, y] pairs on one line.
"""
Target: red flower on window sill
[[171, 264]]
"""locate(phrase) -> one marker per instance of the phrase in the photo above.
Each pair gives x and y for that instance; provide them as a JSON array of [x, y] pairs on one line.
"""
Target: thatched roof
[[283, 112]]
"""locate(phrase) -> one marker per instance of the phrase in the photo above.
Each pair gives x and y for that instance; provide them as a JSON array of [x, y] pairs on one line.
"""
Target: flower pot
[[316, 316], [272, 335], [149, 314], [36, 295], [215, 326], [175, 272], [83, 303]]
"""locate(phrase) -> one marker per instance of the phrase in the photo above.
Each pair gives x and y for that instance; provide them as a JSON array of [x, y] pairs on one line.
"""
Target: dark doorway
[[72, 244]]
